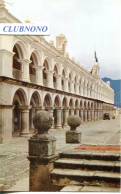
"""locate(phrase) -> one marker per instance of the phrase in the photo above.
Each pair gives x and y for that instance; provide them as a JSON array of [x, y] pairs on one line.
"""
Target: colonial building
[[35, 75]]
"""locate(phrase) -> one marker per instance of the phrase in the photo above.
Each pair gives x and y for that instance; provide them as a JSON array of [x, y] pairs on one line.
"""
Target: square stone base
[[73, 136], [42, 145]]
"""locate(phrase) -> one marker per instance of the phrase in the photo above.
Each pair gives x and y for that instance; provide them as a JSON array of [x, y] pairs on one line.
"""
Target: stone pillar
[[96, 115], [71, 86], [93, 115], [66, 89], [58, 118], [25, 69], [72, 111], [85, 112], [82, 118], [88, 112], [58, 82], [77, 111], [49, 79], [6, 124], [42, 149], [39, 75], [50, 109], [99, 114], [24, 120], [77, 88], [65, 116]]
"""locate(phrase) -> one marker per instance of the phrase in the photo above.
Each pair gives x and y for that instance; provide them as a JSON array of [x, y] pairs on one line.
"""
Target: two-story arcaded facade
[[35, 75]]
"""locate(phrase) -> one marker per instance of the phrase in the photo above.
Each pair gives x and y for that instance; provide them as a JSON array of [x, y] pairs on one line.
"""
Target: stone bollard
[[42, 147], [73, 135]]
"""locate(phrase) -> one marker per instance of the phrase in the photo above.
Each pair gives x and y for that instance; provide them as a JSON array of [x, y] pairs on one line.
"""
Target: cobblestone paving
[[14, 165]]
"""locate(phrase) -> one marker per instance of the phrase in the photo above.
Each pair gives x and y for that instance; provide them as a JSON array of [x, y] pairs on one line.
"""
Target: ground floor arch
[[22, 104]]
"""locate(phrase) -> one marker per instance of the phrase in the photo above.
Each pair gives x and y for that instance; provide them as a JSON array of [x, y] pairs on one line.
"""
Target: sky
[[87, 24]]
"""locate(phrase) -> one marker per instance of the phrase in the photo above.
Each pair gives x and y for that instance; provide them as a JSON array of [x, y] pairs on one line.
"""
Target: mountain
[[116, 86]]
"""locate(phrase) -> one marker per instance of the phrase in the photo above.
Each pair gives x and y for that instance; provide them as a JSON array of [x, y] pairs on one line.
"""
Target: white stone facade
[[35, 75]]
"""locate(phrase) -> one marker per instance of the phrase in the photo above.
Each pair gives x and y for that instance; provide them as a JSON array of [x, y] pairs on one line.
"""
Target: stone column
[[71, 86], [65, 84], [72, 111], [58, 118], [92, 115], [88, 112], [25, 69], [42, 149], [24, 120], [32, 110], [77, 111], [82, 115], [65, 116], [96, 113], [58, 82], [49, 79], [85, 112], [77, 88], [50, 109], [39, 75], [99, 114]]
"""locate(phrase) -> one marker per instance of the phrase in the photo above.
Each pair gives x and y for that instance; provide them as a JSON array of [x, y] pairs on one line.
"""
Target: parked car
[[106, 116]]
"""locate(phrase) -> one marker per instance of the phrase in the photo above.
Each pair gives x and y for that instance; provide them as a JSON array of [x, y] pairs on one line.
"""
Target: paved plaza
[[14, 165]]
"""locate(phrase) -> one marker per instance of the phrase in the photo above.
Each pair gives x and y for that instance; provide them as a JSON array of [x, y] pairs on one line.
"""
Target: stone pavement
[[14, 165]]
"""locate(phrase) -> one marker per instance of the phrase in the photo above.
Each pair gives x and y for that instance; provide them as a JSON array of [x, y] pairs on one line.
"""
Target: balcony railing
[[32, 78], [17, 74]]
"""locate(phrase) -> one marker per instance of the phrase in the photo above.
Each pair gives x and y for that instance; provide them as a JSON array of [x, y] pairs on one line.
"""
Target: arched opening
[[75, 84], [47, 102], [88, 90], [84, 88], [46, 68], [80, 92], [91, 90], [32, 70], [17, 72], [69, 82], [71, 107], [54, 77], [76, 108], [35, 103], [19, 100], [80, 108], [63, 80]]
